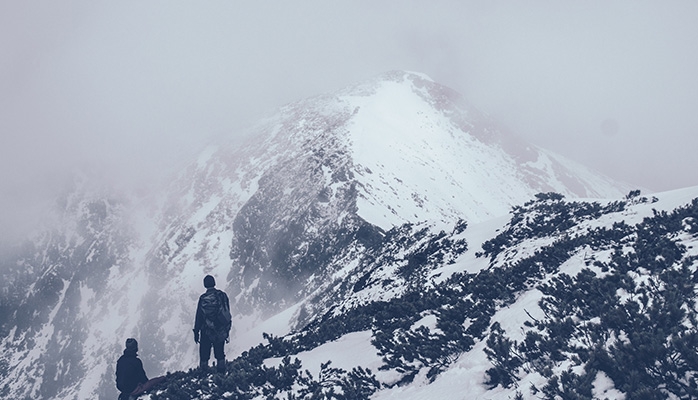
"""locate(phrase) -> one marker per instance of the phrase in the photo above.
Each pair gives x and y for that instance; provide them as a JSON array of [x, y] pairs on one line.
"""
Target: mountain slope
[[572, 299], [390, 151], [429, 147], [331, 196]]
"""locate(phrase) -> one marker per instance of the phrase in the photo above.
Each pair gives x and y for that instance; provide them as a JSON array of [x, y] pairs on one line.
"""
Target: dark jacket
[[129, 372], [200, 320]]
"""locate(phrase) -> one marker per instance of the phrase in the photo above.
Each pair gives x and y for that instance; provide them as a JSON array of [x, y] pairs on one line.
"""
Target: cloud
[[129, 88]]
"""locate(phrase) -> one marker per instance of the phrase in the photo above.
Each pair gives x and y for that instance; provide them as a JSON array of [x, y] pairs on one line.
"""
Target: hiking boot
[[220, 366]]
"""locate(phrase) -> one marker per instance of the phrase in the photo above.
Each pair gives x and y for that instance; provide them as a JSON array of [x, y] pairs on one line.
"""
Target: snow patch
[[525, 309], [362, 354]]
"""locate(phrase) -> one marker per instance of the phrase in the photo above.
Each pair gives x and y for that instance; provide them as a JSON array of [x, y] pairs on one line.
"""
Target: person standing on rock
[[212, 324]]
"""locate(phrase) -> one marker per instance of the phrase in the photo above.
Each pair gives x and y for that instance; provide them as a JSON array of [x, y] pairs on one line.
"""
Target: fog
[[128, 89]]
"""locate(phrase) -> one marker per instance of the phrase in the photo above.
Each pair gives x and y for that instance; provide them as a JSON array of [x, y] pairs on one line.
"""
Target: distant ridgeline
[[626, 313]]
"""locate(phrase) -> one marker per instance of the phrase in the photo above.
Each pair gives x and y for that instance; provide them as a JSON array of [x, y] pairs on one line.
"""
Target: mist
[[129, 90]]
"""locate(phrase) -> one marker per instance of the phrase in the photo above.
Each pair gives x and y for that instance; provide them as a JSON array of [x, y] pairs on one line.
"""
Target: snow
[[465, 379], [475, 235], [603, 388], [362, 354], [25, 359], [578, 262], [414, 153], [412, 163], [250, 330], [512, 318], [206, 155], [205, 209], [469, 371], [635, 212], [87, 297], [346, 270], [429, 322], [415, 163]]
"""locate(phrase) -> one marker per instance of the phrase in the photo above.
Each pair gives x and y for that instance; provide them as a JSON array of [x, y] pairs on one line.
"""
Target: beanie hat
[[209, 282], [131, 344]]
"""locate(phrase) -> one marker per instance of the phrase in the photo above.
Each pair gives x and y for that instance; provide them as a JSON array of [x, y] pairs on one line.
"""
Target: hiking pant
[[205, 345]]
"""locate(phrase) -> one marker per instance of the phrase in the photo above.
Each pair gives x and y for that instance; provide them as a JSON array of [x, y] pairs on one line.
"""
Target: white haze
[[127, 90]]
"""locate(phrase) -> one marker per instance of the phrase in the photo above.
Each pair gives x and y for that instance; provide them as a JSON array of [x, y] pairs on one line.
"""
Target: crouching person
[[131, 379], [129, 370]]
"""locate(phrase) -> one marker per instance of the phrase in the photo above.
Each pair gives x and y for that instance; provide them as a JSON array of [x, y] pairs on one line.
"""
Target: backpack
[[217, 317]]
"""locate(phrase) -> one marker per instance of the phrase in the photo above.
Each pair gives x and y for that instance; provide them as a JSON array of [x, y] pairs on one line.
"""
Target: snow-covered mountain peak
[[416, 150], [331, 195], [420, 152]]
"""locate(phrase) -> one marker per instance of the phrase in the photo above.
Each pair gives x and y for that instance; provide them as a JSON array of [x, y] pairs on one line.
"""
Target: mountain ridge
[[556, 322], [294, 214]]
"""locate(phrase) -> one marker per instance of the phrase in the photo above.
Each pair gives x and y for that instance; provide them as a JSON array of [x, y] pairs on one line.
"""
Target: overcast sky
[[128, 87]]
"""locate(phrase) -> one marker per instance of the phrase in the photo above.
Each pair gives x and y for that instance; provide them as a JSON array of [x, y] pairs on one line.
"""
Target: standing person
[[212, 324], [129, 370]]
